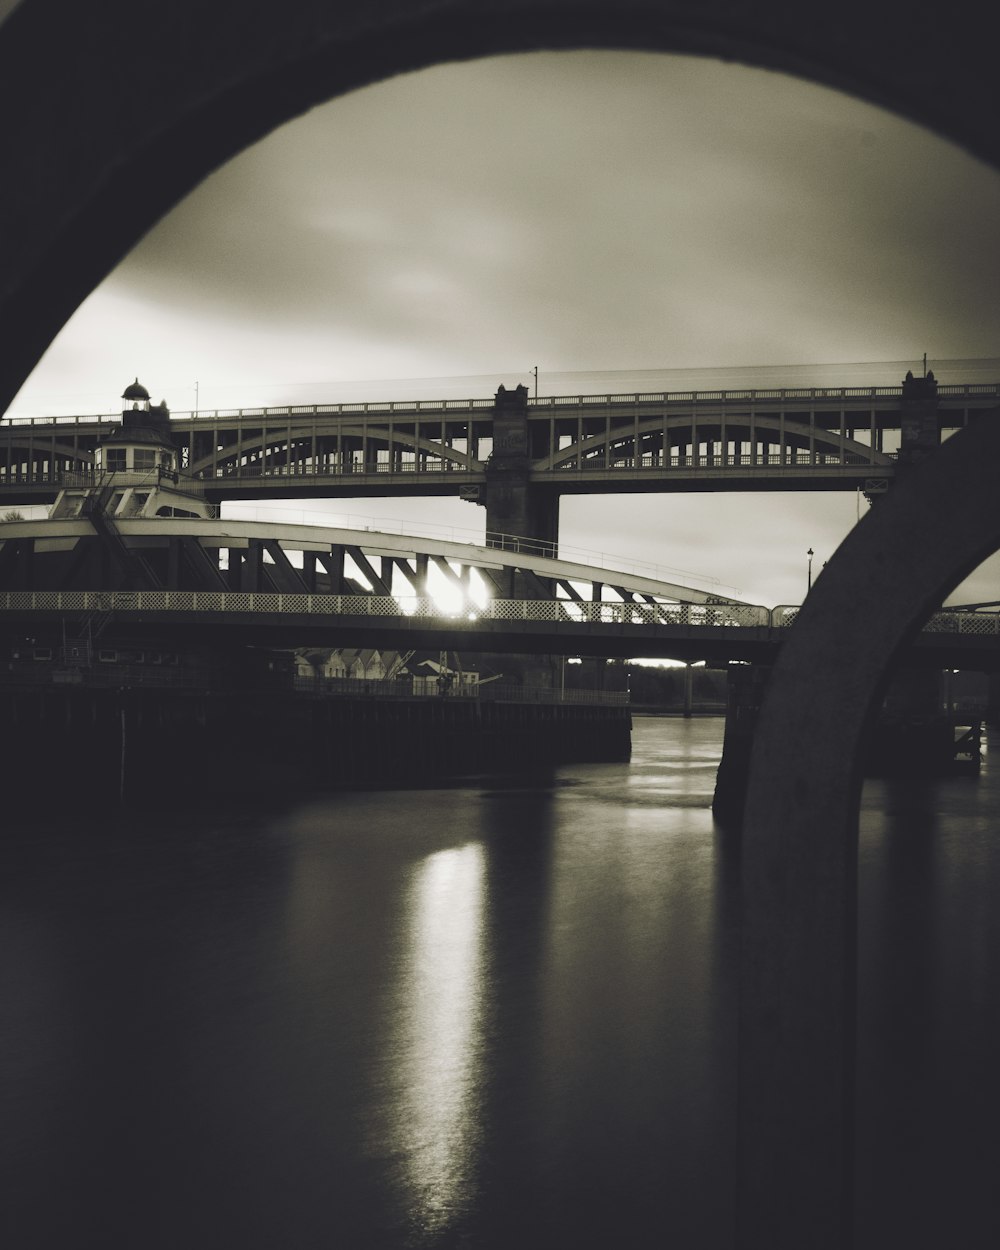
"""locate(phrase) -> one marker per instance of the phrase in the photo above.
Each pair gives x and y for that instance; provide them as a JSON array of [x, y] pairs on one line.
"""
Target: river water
[[496, 1015]]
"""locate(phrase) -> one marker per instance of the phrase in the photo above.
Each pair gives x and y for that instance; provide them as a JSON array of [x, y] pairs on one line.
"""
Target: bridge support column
[[920, 428], [746, 684], [516, 509], [520, 516], [993, 699], [912, 734]]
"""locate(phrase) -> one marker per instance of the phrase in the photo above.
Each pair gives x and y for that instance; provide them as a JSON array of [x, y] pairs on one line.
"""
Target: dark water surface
[[499, 1015]]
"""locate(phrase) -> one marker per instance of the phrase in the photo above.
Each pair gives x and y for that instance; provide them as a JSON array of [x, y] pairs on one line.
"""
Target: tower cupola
[[143, 443], [135, 397]]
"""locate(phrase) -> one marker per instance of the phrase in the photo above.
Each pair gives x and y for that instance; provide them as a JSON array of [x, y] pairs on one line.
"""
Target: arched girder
[[51, 450], [376, 434], [793, 434], [229, 533]]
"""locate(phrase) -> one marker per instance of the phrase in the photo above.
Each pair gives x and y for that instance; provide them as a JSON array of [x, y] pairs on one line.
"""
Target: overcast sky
[[591, 214]]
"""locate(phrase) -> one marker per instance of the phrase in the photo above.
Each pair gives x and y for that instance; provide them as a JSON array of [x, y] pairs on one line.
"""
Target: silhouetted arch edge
[[122, 109], [939, 521]]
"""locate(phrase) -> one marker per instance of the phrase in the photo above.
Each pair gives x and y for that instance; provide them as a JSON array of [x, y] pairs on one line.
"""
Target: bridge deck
[[781, 439], [715, 633]]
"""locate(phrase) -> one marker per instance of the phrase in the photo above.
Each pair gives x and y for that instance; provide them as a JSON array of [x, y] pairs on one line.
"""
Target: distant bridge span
[[252, 583], [800, 438], [623, 630], [222, 554]]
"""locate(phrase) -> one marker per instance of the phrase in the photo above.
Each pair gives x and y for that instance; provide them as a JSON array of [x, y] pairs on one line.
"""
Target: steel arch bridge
[[255, 583], [221, 554], [776, 439]]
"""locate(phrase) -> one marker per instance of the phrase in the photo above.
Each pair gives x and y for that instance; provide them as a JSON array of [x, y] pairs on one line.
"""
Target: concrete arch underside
[[90, 162]]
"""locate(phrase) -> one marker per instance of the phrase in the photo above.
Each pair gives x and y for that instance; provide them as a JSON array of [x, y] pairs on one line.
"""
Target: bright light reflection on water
[[438, 1043]]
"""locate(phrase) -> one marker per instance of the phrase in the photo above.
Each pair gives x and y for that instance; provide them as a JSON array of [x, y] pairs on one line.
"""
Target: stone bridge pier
[[518, 510]]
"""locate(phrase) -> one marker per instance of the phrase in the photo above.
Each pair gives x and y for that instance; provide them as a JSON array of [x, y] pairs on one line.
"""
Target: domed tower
[[143, 445], [136, 397], [137, 469]]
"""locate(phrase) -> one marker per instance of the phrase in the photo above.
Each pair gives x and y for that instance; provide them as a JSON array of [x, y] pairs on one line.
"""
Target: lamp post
[[809, 572]]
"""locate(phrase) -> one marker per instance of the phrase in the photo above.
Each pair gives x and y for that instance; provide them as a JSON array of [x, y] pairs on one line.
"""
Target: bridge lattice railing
[[726, 615], [237, 602], [541, 610], [985, 624]]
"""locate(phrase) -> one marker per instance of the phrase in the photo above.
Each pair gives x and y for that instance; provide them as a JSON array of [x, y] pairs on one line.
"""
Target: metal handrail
[[555, 611], [945, 621], [566, 611]]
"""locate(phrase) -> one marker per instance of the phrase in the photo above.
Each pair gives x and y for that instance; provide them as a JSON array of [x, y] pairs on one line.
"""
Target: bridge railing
[[455, 406], [985, 624], [392, 606], [554, 611]]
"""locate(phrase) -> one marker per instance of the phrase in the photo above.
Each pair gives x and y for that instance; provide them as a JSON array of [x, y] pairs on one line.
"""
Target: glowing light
[[440, 1033]]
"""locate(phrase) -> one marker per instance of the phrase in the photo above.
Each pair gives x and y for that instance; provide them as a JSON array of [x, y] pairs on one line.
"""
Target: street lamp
[[809, 574]]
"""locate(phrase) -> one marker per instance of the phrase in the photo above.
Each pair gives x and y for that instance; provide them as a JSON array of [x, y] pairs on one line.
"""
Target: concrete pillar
[[799, 837], [993, 699], [915, 692], [515, 508], [910, 734], [746, 684], [914, 734], [920, 431]]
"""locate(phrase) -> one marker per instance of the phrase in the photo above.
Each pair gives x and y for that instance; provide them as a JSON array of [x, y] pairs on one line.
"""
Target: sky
[[606, 217]]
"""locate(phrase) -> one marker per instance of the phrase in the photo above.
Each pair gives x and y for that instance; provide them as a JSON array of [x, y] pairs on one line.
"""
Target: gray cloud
[[595, 195]]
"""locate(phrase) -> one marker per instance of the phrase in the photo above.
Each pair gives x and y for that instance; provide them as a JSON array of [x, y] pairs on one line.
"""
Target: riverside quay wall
[[73, 744]]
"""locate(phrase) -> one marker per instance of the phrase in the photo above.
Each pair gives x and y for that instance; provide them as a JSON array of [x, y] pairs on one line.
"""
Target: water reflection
[[928, 1083], [439, 1042], [472, 1017]]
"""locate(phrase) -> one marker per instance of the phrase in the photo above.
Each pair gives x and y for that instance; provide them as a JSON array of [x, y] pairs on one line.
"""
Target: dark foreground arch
[[800, 833], [111, 111]]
